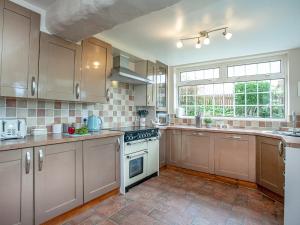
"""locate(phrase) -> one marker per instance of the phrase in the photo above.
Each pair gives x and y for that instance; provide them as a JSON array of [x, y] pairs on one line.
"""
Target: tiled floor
[[174, 198]]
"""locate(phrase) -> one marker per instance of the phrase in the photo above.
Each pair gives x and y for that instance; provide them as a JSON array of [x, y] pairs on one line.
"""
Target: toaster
[[12, 128]]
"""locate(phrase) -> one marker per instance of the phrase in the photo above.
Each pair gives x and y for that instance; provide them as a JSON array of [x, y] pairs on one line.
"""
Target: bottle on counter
[[198, 119]]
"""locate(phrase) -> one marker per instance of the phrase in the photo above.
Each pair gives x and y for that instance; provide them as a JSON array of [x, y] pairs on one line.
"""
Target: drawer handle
[[236, 137], [41, 159], [27, 162], [198, 134]]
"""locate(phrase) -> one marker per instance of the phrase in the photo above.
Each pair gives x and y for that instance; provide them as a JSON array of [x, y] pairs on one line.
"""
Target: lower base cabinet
[[270, 165], [197, 151], [101, 166], [173, 148], [58, 179], [16, 187], [235, 156]]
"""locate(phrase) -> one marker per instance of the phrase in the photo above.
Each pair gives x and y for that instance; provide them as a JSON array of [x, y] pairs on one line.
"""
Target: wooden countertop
[[33, 141], [289, 141]]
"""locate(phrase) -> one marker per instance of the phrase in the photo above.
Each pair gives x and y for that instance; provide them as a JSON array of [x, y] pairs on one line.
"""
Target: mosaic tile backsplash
[[120, 111]]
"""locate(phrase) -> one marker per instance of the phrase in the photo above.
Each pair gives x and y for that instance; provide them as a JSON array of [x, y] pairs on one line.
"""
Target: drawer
[[196, 133], [174, 131], [131, 147], [233, 136]]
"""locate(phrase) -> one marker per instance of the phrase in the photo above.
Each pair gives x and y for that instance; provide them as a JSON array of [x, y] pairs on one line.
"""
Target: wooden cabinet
[[59, 69], [235, 156], [16, 187], [58, 179], [96, 67], [174, 147], [269, 164], [161, 87], [19, 44], [145, 95], [198, 151], [162, 147], [101, 160]]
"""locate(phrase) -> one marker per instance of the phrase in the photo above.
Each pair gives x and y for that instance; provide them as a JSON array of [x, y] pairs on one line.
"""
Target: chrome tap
[[294, 121]]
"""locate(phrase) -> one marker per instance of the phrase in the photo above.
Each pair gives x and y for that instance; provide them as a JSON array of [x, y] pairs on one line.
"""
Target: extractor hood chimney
[[121, 72]]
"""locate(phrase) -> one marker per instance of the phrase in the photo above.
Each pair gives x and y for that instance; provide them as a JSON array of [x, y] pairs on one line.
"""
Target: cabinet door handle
[[41, 159], [33, 86], [107, 95], [77, 90], [280, 148], [235, 137], [27, 162], [119, 145]]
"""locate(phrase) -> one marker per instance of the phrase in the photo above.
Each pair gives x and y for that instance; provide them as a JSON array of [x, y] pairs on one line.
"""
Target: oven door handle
[[134, 143], [130, 157]]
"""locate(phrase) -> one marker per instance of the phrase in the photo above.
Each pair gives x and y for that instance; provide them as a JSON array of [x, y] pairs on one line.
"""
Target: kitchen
[[139, 112]]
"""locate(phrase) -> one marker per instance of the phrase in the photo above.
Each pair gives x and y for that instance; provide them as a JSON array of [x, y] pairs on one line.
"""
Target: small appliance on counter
[[162, 119], [94, 123], [12, 129]]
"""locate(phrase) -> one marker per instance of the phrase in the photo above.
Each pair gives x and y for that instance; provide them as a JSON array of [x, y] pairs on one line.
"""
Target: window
[[254, 69], [244, 90], [200, 74]]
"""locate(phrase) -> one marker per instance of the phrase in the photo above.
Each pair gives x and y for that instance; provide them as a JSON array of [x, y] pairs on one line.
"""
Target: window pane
[[228, 94], [183, 76], [251, 69], [264, 98], [239, 70], [277, 98], [264, 112], [191, 90], [230, 71], [251, 111], [228, 111], [218, 111], [240, 111], [264, 86], [182, 100], [209, 74], [200, 109], [199, 75], [263, 68], [275, 67], [200, 100], [182, 90], [239, 87], [190, 100], [240, 99], [209, 111], [216, 73], [251, 99], [278, 112], [190, 111], [251, 87], [190, 75]]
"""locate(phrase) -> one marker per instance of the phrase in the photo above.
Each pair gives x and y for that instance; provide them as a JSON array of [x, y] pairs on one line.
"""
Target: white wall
[[293, 79]]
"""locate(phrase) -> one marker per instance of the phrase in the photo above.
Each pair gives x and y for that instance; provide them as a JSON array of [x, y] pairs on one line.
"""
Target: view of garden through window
[[253, 99]]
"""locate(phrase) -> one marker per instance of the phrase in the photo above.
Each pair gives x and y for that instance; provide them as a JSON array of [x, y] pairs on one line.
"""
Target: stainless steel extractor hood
[[122, 73]]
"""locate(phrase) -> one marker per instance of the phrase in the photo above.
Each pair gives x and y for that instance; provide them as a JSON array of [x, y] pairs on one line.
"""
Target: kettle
[[94, 123]]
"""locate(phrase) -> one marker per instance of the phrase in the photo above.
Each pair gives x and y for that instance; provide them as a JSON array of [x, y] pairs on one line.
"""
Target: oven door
[[136, 165]]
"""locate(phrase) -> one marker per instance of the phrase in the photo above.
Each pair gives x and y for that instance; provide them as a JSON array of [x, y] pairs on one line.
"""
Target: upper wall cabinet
[[19, 44], [96, 67], [161, 87], [59, 69], [145, 95]]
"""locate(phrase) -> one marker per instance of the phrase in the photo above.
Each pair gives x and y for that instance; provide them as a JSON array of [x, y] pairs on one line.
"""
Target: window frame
[[223, 78]]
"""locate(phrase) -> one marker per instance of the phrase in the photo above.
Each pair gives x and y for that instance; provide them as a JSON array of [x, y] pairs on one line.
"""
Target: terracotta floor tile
[[175, 198]]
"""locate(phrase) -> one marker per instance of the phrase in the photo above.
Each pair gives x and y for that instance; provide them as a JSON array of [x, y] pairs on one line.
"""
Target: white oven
[[135, 161]]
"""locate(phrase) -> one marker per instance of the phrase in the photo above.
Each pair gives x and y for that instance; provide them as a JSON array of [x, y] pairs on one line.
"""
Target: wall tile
[[11, 102], [11, 112]]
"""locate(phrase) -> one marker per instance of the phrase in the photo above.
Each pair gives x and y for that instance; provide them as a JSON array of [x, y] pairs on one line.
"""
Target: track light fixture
[[205, 34]]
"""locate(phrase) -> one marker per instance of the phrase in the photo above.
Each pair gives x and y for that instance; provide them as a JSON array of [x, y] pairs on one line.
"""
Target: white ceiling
[[258, 26]]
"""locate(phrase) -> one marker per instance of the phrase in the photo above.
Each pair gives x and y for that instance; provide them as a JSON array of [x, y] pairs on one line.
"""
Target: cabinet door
[[198, 151], [58, 179], [101, 160], [20, 50], [153, 156], [161, 87], [235, 156], [151, 88], [96, 67], [162, 148], [59, 69], [269, 165], [16, 187], [173, 147]]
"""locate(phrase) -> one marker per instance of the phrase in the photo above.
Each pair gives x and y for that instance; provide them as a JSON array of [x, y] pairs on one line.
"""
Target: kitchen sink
[[288, 133]]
